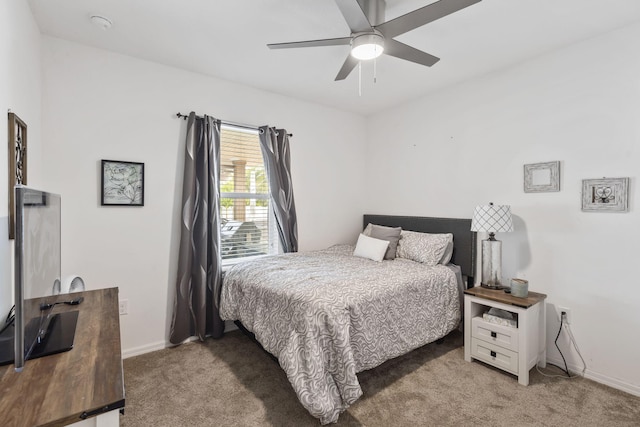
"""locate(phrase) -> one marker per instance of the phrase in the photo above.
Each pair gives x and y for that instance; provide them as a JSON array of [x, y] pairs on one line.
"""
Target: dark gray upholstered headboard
[[464, 240]]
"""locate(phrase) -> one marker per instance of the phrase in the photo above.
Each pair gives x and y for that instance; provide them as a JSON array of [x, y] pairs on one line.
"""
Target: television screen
[[38, 330]]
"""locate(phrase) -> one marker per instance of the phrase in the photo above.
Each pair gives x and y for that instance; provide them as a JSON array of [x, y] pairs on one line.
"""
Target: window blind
[[244, 196]]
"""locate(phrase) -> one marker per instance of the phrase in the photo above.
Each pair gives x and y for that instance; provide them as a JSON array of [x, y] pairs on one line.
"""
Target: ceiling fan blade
[[354, 15], [403, 51], [424, 15], [348, 66], [312, 43]]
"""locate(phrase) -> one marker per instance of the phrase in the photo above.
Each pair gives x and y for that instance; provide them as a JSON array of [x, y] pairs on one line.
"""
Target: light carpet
[[232, 382]]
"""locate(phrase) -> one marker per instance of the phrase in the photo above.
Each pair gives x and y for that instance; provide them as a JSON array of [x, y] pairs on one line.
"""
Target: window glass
[[244, 197]]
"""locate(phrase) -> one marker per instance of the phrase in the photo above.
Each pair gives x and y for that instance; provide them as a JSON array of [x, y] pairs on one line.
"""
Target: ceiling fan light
[[367, 46]]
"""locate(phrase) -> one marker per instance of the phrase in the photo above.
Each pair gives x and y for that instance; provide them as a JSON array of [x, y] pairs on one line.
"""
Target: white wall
[[20, 86], [446, 153], [438, 156], [100, 105]]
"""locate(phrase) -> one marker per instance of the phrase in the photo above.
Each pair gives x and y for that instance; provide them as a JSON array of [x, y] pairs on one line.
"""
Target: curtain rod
[[238, 125]]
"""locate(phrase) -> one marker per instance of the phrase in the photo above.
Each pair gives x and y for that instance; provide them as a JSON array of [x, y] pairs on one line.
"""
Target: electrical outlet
[[567, 317], [124, 306]]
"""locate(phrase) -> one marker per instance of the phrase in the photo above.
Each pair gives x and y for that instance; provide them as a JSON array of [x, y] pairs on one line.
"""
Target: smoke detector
[[101, 21]]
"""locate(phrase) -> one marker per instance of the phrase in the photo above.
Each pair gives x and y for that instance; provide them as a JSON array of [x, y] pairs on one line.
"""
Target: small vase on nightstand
[[519, 288]]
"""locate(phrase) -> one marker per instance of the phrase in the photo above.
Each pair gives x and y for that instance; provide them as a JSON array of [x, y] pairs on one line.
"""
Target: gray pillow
[[390, 234], [448, 253]]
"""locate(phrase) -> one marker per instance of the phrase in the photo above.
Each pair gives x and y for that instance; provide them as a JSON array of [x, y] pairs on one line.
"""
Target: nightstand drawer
[[503, 336], [495, 355]]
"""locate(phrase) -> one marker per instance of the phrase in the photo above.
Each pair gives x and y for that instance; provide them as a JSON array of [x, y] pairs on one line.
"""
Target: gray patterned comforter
[[327, 315]]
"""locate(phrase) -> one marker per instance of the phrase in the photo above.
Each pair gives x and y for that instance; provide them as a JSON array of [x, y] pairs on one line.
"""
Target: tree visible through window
[[244, 196]]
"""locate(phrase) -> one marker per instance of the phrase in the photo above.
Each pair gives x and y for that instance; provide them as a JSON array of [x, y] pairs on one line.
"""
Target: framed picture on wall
[[17, 163], [122, 183], [542, 177], [605, 195]]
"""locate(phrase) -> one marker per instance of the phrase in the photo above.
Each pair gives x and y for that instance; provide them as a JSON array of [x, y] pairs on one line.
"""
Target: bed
[[327, 315]]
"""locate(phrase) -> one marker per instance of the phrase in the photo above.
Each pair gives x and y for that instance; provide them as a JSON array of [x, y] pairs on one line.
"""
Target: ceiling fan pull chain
[[375, 71], [360, 78]]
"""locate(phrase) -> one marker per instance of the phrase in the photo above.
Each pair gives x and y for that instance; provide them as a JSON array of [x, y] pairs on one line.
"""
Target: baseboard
[[148, 348], [599, 378], [160, 345]]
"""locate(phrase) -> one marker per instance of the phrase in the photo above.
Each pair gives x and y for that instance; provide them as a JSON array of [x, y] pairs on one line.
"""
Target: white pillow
[[423, 247], [368, 247], [391, 234]]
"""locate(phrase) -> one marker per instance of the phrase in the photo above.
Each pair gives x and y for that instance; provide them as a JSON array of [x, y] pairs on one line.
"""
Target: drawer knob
[[493, 354], [493, 334]]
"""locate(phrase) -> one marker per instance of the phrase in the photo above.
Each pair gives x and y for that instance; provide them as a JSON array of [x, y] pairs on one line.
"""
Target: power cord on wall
[[563, 316]]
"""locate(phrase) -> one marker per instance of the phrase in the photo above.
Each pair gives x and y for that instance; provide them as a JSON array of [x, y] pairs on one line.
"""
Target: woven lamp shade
[[492, 219]]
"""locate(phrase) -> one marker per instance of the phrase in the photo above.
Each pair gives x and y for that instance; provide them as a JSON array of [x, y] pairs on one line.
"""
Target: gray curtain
[[277, 160], [196, 307]]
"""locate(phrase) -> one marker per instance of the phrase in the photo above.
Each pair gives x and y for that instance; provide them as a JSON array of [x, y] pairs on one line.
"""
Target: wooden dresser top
[[57, 390]]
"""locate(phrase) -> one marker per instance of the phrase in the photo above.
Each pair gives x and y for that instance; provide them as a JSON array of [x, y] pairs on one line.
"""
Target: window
[[246, 220]]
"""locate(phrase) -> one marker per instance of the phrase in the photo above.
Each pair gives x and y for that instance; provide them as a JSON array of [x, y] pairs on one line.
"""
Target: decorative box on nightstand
[[512, 349]]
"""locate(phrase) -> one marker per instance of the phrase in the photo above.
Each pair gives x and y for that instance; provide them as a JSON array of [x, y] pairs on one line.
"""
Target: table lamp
[[492, 219]]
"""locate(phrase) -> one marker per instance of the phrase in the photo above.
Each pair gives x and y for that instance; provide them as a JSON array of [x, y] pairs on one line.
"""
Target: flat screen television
[[39, 330]]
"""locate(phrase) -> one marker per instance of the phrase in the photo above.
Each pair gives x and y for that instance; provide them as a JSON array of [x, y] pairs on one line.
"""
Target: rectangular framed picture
[[122, 183], [542, 177], [17, 163], [605, 195]]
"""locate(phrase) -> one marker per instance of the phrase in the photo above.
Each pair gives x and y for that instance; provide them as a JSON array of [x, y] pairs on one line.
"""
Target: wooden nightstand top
[[505, 298]]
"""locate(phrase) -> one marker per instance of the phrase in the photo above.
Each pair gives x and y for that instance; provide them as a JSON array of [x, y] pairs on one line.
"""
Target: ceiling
[[227, 39]]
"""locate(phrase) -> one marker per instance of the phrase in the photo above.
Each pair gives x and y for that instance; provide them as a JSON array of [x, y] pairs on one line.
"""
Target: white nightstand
[[513, 349]]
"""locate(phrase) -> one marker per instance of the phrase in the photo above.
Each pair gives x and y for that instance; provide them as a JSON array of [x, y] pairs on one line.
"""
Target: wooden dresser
[[84, 385]]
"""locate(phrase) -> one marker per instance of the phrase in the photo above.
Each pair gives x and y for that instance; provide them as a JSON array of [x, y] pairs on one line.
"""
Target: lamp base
[[493, 287], [491, 264]]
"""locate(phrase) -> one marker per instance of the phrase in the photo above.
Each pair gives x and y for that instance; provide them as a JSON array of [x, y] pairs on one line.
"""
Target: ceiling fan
[[371, 36]]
